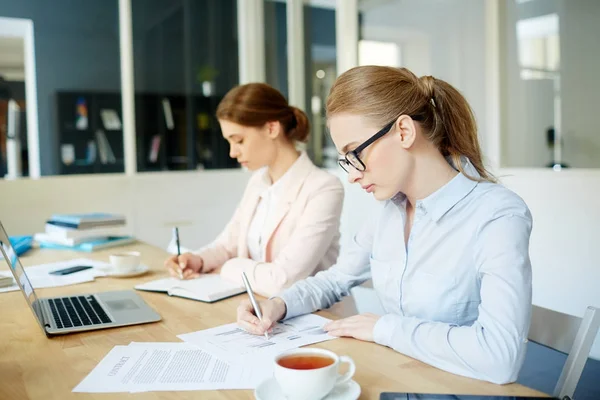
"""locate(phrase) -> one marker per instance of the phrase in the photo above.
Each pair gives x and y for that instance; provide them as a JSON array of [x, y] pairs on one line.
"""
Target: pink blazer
[[302, 232]]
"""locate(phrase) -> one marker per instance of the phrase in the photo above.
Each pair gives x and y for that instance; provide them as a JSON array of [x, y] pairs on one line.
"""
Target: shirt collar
[[269, 188], [437, 204]]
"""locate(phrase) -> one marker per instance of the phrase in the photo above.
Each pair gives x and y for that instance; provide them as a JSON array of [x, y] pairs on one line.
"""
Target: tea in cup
[[309, 374]]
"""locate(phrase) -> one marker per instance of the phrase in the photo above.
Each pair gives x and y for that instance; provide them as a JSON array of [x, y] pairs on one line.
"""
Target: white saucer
[[109, 270], [269, 390]]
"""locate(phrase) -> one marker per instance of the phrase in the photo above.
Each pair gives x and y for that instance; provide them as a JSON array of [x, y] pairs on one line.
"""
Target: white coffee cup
[[126, 261], [311, 384]]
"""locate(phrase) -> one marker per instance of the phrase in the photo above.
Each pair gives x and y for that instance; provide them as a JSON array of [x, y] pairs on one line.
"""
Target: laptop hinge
[[45, 311]]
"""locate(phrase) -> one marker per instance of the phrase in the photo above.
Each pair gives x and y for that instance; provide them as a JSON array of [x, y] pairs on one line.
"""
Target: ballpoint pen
[[253, 300], [176, 233]]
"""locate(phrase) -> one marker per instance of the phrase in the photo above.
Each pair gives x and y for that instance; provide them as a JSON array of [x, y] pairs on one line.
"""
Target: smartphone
[[70, 270]]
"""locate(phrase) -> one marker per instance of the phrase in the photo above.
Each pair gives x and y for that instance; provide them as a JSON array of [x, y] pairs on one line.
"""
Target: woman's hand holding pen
[[187, 265], [272, 311]]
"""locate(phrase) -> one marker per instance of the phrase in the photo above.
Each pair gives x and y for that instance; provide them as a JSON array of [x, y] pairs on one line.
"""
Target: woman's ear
[[273, 129], [406, 129]]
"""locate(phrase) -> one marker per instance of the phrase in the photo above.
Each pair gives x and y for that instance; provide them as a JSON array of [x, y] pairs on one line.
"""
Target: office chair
[[568, 334]]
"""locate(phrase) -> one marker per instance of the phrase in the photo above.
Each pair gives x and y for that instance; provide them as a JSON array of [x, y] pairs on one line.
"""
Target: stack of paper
[[225, 357]]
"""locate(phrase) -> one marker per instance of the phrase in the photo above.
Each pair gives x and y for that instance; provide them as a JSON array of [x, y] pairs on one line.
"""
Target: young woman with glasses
[[448, 248]]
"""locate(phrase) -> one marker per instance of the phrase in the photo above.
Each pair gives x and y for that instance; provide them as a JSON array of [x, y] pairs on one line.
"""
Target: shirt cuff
[[383, 331], [233, 268], [293, 304]]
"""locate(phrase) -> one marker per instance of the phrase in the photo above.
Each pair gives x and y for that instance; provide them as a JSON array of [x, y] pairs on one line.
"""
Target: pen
[[176, 233], [253, 300]]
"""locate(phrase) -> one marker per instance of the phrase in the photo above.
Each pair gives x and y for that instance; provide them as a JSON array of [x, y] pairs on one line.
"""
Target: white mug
[[125, 262], [311, 384]]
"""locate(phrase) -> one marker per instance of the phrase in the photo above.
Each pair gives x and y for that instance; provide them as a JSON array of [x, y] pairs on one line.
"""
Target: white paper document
[[142, 367], [40, 277], [234, 344]]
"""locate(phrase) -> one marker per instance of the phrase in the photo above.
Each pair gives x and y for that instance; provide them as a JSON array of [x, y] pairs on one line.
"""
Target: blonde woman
[[448, 249], [286, 226]]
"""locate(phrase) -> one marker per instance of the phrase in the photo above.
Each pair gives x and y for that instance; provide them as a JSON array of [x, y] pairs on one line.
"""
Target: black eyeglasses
[[352, 159]]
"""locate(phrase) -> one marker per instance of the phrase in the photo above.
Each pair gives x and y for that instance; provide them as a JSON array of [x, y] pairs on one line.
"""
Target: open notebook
[[208, 288]]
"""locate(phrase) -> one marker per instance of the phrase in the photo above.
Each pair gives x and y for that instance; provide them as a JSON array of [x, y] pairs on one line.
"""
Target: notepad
[[207, 288]]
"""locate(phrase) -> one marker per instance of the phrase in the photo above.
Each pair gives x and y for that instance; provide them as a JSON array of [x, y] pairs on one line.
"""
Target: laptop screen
[[15, 266]]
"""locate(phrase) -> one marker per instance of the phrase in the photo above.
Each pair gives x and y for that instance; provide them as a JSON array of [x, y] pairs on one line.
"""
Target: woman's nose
[[354, 175]]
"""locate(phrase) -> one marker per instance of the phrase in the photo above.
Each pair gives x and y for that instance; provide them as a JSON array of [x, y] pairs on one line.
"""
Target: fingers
[[184, 260], [341, 327], [358, 326], [341, 333], [251, 328], [188, 273], [245, 312], [249, 321], [342, 324], [266, 325], [173, 267]]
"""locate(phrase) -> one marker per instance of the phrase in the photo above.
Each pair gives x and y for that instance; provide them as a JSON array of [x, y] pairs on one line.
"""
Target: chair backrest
[[568, 334]]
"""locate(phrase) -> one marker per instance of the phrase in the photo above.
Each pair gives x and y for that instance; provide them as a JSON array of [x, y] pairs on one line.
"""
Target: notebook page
[[209, 287]]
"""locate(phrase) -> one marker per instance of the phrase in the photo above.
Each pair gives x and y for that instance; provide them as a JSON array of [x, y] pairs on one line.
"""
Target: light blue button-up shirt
[[458, 295]]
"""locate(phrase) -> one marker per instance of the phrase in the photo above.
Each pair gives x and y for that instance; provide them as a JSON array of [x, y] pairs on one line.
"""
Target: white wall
[[200, 203], [529, 104], [564, 245]]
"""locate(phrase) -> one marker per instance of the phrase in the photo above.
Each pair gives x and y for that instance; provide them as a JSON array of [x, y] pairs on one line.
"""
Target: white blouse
[[266, 204]]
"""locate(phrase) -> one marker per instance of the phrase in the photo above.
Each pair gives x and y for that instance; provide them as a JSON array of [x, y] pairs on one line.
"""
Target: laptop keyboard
[[74, 311]]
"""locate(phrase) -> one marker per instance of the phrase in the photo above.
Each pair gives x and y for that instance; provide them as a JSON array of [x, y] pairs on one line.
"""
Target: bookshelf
[[90, 141], [173, 132]]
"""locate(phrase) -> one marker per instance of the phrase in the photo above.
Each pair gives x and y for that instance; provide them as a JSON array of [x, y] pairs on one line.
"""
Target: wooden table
[[35, 367]]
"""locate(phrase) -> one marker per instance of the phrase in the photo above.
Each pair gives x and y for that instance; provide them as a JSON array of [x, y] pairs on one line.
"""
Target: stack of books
[[84, 232]]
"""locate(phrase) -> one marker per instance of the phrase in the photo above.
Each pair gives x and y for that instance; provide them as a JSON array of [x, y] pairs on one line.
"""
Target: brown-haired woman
[[448, 251], [286, 226]]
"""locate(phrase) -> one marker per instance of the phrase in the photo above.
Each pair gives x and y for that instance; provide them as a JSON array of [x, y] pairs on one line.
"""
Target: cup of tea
[[309, 374], [125, 262]]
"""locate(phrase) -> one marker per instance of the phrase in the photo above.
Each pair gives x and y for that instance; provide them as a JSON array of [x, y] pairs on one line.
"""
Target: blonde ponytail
[[384, 93]]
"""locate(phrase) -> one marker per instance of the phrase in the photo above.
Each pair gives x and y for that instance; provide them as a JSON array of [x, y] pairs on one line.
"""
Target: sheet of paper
[[231, 342], [40, 277], [241, 375], [142, 367]]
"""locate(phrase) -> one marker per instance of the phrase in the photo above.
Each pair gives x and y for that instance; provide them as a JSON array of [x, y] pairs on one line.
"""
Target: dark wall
[[322, 22], [168, 60], [77, 48], [17, 89]]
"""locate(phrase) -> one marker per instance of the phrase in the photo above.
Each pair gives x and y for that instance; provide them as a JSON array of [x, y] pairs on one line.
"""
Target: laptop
[[84, 312]]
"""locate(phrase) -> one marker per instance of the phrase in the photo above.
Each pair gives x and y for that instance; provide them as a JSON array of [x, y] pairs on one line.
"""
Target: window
[[185, 59]]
